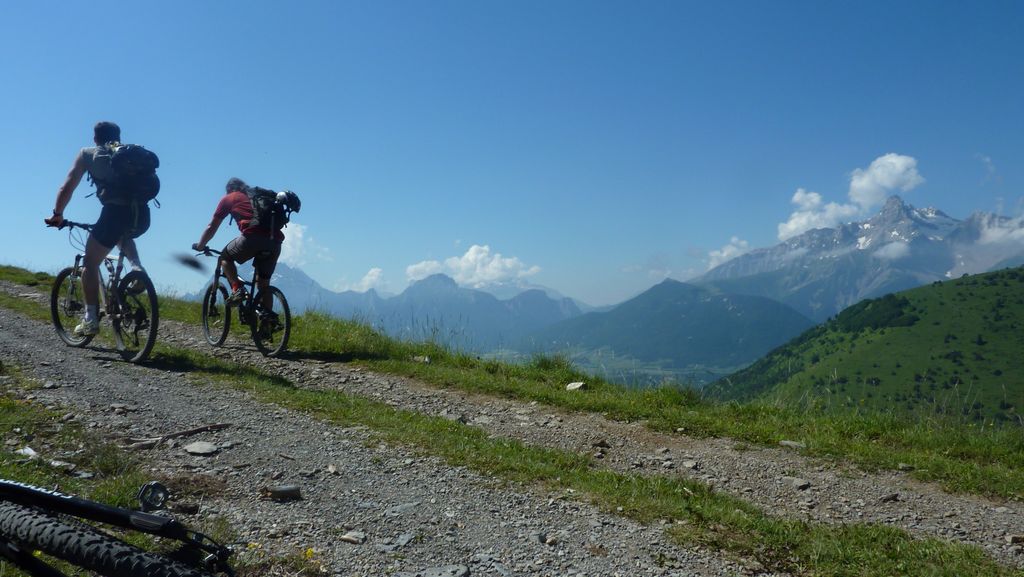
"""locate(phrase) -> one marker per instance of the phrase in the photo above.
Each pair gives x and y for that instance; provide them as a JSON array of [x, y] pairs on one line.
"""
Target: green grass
[[960, 457]]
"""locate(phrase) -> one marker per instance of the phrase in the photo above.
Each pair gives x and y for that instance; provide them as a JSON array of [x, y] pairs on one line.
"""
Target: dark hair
[[235, 184], [105, 132]]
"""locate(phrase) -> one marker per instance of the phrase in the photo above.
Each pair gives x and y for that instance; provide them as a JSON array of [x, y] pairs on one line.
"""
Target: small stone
[[447, 571], [889, 498], [27, 452], [792, 445], [797, 483], [1015, 539], [201, 448], [692, 465], [332, 469], [354, 537], [577, 386], [402, 509], [50, 385], [905, 467], [421, 359], [283, 492]]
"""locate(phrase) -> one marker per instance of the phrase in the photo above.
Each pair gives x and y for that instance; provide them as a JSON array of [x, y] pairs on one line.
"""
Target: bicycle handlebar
[[69, 224]]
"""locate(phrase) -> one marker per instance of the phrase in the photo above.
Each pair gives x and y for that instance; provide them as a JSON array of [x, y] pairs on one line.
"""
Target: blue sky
[[591, 147]]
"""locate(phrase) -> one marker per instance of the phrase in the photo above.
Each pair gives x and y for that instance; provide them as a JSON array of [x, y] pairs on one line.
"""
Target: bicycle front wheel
[[67, 305], [271, 327], [137, 318], [216, 315], [84, 546]]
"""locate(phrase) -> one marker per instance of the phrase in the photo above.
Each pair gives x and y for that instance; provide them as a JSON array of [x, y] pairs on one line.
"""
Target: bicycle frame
[[247, 305], [216, 555], [113, 275]]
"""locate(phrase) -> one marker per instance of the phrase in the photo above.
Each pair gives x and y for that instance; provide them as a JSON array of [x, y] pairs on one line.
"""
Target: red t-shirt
[[236, 203]]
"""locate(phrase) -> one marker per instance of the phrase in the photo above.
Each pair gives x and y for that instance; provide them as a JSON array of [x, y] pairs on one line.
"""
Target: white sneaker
[[87, 328]]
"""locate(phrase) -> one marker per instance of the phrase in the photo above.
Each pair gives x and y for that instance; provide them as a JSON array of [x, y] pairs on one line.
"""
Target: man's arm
[[211, 229], [67, 189]]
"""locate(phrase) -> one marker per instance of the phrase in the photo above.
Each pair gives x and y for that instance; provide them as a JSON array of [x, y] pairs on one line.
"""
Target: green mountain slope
[[679, 325], [953, 348]]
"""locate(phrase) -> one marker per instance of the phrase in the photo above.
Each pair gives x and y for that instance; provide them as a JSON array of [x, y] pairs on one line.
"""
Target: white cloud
[[1002, 231], [735, 248], [893, 251], [374, 279], [476, 268], [299, 247], [422, 270], [869, 188], [811, 213]]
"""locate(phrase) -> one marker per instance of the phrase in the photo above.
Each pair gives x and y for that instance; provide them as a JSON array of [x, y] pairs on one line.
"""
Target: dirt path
[[778, 480]]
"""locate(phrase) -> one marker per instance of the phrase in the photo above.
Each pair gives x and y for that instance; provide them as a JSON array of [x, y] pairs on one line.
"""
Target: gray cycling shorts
[[264, 250]]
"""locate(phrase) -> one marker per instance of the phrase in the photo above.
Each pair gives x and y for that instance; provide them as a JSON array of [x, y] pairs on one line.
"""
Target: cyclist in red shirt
[[255, 242]]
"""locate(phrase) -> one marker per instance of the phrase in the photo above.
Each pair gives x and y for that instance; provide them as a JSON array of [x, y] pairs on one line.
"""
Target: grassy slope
[[950, 348]]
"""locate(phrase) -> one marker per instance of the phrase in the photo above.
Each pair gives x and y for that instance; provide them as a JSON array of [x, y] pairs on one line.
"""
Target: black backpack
[[269, 212], [133, 170]]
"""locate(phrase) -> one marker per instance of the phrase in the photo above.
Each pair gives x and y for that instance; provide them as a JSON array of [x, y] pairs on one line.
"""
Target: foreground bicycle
[[270, 328], [129, 301], [38, 520]]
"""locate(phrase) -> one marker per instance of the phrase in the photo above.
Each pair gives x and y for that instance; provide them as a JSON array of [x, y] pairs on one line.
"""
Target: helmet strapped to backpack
[[272, 210]]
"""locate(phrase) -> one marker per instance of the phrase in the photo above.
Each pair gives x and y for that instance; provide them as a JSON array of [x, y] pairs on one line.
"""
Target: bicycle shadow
[[184, 362]]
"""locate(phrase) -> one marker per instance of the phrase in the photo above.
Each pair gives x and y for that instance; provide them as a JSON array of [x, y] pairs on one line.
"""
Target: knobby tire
[[67, 305], [216, 315], [136, 326], [272, 342], [84, 546]]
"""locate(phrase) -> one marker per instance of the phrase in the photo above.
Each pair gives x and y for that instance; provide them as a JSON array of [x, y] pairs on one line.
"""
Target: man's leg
[[94, 255], [230, 270], [130, 252]]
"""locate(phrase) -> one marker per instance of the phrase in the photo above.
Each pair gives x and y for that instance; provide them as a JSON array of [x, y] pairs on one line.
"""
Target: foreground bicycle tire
[[84, 546], [136, 325], [67, 304], [216, 315], [271, 341]]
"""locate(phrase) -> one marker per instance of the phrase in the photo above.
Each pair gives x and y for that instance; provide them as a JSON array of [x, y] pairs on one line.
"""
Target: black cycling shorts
[[264, 249], [120, 220]]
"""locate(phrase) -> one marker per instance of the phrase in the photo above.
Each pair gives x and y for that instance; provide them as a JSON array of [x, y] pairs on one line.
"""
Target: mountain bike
[[39, 520], [270, 328], [130, 302]]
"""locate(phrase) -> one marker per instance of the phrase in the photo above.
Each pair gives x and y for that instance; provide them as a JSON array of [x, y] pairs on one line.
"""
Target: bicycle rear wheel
[[138, 317], [216, 315], [67, 304], [271, 328], [84, 546]]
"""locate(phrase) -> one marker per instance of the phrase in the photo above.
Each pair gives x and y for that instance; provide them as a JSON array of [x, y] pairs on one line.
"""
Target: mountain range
[[700, 330], [823, 271]]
